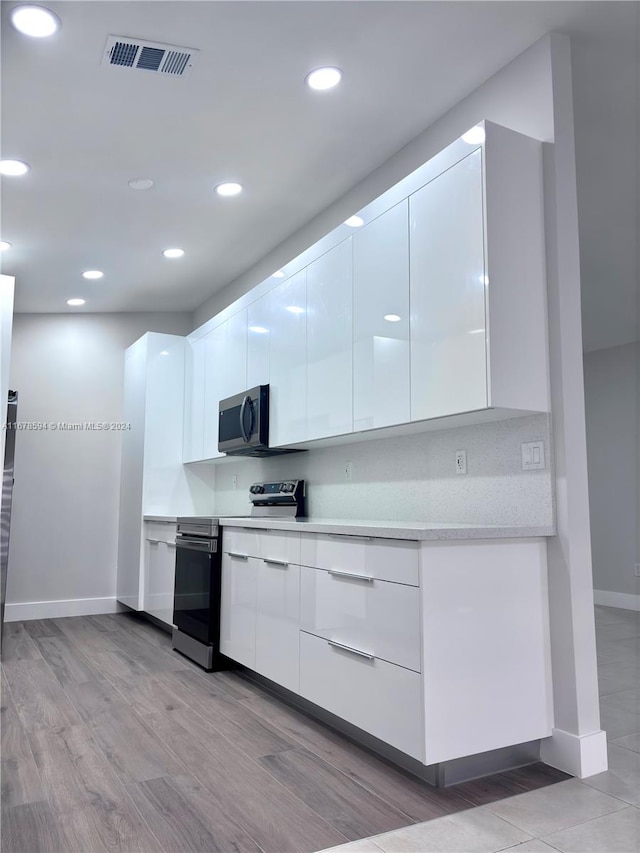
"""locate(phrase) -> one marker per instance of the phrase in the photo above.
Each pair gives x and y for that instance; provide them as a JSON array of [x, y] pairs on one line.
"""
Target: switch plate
[[348, 471], [235, 481], [636, 569], [533, 456], [461, 461]]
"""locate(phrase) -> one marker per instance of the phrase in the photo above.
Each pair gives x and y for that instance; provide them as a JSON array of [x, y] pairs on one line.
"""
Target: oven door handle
[[209, 546]]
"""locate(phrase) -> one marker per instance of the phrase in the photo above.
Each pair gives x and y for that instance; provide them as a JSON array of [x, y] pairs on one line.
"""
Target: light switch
[[533, 456]]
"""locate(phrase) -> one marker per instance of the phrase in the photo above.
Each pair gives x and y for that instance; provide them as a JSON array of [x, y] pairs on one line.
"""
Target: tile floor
[[599, 814]]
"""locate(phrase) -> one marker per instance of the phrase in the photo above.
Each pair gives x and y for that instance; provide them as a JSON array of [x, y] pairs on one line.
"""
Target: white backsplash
[[411, 478]]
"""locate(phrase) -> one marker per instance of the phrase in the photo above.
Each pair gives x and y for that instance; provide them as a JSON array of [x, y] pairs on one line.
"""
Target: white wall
[[412, 478], [64, 527], [613, 447]]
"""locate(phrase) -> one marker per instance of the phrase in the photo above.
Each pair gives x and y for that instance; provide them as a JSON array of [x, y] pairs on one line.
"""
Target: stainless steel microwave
[[243, 424]]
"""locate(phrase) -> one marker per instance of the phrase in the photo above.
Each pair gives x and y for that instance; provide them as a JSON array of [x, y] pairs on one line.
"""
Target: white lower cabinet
[[376, 696], [277, 623], [160, 570], [376, 617], [238, 608]]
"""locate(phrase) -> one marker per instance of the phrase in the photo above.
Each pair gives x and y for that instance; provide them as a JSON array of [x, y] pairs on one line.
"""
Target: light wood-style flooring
[[111, 741]]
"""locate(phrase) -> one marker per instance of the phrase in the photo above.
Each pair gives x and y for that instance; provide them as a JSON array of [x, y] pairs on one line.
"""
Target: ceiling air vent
[[142, 55]]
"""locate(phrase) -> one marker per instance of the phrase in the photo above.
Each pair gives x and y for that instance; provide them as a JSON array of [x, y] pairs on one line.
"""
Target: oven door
[[243, 421], [196, 603]]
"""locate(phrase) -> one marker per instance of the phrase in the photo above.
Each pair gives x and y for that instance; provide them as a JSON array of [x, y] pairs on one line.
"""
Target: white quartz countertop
[[169, 518], [416, 530]]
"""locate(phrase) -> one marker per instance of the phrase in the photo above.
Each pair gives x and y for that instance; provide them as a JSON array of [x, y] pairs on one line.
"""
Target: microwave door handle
[[243, 408]]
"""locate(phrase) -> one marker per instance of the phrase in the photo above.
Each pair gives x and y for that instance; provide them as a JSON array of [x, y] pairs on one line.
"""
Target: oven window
[[192, 600]]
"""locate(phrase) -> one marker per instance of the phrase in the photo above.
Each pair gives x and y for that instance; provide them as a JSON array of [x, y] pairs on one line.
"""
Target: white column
[[7, 285], [577, 745]]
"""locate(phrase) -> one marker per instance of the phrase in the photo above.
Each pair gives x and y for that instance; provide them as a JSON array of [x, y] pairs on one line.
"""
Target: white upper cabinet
[[225, 373], [448, 348], [258, 341], [193, 443], [381, 321], [287, 324], [330, 343]]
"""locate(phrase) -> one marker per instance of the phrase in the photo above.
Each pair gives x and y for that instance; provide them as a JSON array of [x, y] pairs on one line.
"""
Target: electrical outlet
[[461, 461], [235, 481], [348, 471], [533, 456], [637, 570]]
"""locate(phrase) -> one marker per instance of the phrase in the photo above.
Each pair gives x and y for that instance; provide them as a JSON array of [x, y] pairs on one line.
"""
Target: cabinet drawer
[[386, 559], [376, 616], [279, 545], [238, 609], [378, 697], [240, 540], [278, 624], [162, 531]]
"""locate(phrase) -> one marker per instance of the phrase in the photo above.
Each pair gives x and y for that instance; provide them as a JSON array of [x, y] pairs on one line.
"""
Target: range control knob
[[288, 487], [256, 489]]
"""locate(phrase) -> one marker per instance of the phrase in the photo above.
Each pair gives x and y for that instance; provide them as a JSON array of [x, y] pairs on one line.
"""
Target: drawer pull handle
[[276, 562], [153, 541], [350, 536], [238, 556], [338, 574], [349, 649]]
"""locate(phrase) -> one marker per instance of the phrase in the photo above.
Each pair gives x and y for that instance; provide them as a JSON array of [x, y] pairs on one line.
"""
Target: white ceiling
[[244, 114]]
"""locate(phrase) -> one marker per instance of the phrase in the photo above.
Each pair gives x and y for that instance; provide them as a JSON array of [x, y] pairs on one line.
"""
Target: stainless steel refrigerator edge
[[7, 497]]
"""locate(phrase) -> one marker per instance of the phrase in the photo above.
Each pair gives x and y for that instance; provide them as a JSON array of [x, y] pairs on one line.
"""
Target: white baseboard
[[616, 599], [579, 755], [26, 610]]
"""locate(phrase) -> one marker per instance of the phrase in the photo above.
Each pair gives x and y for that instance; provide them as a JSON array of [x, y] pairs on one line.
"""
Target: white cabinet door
[[258, 339], [448, 348], [160, 579], [213, 368], [278, 623], [330, 343], [381, 321], [238, 609], [234, 367], [193, 440], [287, 362]]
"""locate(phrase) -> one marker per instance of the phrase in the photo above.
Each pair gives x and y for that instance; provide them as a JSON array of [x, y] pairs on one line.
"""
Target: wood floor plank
[[149, 695], [186, 818], [32, 828], [19, 774], [418, 800], [496, 787], [68, 663], [154, 659], [82, 632], [115, 663], [134, 752], [350, 808], [85, 792], [38, 696], [135, 623], [17, 644], [252, 734], [42, 628], [277, 820]]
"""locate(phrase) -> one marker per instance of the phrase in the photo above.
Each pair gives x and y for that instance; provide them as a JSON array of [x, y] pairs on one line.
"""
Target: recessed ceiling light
[[35, 21], [173, 253], [474, 136], [295, 309], [164, 352], [229, 189], [259, 330], [4, 245], [354, 221], [140, 183], [392, 318], [323, 78], [74, 302], [92, 274], [278, 274], [13, 167]]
